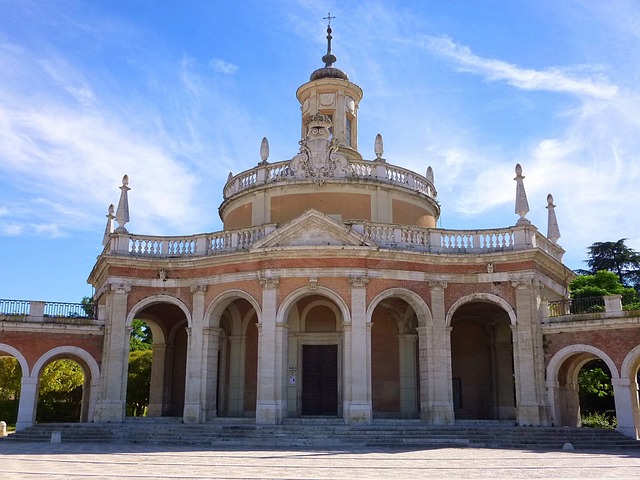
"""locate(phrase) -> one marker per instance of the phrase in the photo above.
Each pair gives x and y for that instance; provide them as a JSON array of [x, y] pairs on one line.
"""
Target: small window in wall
[[348, 131]]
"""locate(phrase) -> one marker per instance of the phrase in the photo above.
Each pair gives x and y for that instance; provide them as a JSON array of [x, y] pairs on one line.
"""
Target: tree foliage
[[139, 382], [597, 404], [615, 257], [600, 284], [60, 398], [139, 374], [141, 337], [10, 378]]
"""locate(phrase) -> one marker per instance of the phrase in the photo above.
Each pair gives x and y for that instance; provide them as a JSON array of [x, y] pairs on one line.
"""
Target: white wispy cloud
[[552, 79], [222, 66]]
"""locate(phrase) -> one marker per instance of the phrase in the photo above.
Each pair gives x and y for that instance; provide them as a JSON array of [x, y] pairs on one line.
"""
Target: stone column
[[236, 375], [625, 397], [211, 347], [111, 404], [195, 377], [28, 401], [528, 362], [156, 388], [281, 362], [358, 406], [436, 391], [408, 393], [267, 407]]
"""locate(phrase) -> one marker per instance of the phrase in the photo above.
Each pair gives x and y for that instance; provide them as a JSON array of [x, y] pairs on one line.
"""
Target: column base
[[192, 413], [438, 414], [113, 411], [357, 412], [269, 413], [531, 415]]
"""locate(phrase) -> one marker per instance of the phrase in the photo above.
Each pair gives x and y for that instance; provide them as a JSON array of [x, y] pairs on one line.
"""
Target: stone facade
[[330, 292]]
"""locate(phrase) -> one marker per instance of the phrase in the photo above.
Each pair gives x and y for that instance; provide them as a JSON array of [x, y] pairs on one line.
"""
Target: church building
[[331, 292]]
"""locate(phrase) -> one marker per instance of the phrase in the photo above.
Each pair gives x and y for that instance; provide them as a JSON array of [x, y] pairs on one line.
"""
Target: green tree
[[139, 374], [60, 398], [616, 257], [10, 380], [88, 306], [141, 338], [600, 284], [597, 402], [139, 382]]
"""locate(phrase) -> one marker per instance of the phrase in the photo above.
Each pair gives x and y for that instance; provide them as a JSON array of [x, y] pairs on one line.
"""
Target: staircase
[[327, 434]]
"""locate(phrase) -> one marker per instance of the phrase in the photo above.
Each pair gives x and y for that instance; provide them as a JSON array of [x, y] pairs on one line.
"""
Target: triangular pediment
[[310, 229]]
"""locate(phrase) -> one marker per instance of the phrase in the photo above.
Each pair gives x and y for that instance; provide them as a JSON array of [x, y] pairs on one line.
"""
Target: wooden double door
[[320, 380]]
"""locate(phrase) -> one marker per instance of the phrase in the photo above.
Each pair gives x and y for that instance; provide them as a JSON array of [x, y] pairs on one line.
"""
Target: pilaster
[[27, 404], [194, 384], [357, 405], [268, 404], [436, 391], [528, 361], [111, 404]]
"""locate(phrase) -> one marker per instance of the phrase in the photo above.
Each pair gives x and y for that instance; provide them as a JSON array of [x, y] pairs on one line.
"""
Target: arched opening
[[10, 383], [237, 375], [584, 392], [63, 391], [482, 362], [315, 351], [165, 324], [394, 360], [597, 403], [140, 368]]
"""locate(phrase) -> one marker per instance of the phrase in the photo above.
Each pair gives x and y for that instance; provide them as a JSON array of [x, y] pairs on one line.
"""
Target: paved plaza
[[27, 461]]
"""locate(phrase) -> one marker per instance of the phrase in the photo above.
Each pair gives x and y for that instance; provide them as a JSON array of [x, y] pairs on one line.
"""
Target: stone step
[[328, 434]]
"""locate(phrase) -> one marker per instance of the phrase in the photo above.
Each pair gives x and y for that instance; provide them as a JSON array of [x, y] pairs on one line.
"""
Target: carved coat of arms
[[319, 158]]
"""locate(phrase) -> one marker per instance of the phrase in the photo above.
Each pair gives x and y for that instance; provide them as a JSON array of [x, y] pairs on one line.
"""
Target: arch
[[324, 303], [222, 301], [414, 300], [162, 298], [481, 297], [294, 296], [553, 368], [630, 360], [24, 366], [85, 356]]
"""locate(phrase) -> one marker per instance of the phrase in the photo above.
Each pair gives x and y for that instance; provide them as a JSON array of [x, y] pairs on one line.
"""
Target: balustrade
[[10, 308], [363, 169]]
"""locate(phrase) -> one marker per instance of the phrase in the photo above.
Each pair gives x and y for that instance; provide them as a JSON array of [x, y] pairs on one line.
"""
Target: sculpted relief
[[319, 158]]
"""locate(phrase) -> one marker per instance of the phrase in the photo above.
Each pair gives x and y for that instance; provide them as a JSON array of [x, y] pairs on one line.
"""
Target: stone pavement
[[27, 461]]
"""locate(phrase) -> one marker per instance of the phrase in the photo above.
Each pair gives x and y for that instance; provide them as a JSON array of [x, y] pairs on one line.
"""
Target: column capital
[[358, 282], [120, 287], [521, 284], [268, 281], [210, 330], [198, 289], [437, 285]]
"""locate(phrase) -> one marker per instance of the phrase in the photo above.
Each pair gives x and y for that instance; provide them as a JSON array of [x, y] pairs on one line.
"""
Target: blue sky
[[177, 94]]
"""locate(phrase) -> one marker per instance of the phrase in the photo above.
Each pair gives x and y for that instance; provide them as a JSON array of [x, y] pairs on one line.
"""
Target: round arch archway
[[482, 358], [562, 381]]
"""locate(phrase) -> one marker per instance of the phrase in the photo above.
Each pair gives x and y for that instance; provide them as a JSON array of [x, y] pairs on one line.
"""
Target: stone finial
[[108, 230], [230, 176], [553, 231], [378, 148], [122, 214], [522, 205], [430, 174], [264, 150]]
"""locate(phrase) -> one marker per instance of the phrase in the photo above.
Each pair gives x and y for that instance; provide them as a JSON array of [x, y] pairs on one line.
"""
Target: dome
[[328, 72]]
